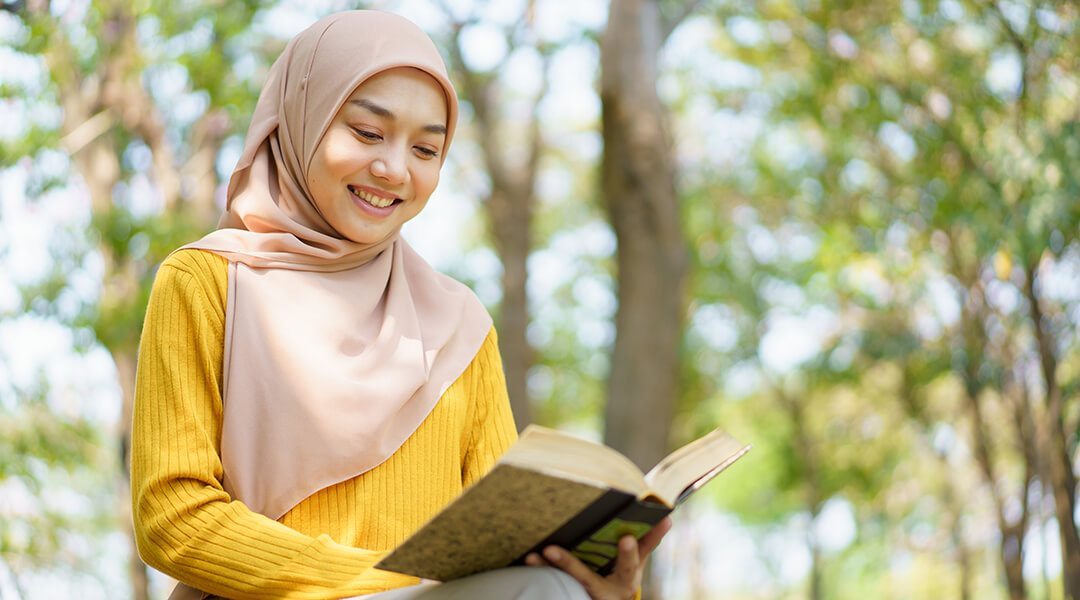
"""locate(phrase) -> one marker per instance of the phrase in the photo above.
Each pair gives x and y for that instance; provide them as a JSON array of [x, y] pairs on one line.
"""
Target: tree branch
[[87, 131], [12, 6], [670, 25], [1019, 42], [535, 137]]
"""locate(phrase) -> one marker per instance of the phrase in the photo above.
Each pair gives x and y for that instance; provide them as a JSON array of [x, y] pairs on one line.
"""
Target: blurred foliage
[[910, 168], [118, 99], [55, 478], [869, 191]]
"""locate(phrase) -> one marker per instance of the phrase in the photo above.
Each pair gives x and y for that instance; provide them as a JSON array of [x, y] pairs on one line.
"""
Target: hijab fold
[[335, 351]]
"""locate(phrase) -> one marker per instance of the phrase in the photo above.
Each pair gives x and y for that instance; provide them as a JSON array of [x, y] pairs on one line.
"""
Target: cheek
[[340, 155], [341, 150], [427, 178]]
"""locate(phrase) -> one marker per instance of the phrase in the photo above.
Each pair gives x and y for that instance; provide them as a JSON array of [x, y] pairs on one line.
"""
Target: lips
[[372, 199]]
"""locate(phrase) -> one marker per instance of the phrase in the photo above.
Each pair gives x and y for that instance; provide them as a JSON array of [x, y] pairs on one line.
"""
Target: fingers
[[535, 560], [624, 580], [651, 540], [560, 558], [628, 564]]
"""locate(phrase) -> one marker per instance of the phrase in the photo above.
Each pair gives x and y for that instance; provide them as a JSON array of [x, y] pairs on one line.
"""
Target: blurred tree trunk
[[125, 369], [638, 190], [950, 493], [963, 553], [974, 316], [1054, 444], [639, 194], [1011, 547], [510, 205], [1031, 45], [96, 105], [90, 104], [808, 467]]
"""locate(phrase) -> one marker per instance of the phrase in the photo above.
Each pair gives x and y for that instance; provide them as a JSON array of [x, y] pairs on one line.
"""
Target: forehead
[[406, 92]]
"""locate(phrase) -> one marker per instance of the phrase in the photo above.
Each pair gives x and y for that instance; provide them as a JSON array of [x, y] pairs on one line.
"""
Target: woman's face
[[379, 160]]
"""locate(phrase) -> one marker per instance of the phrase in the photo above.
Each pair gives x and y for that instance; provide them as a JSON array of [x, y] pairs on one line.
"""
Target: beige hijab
[[335, 351]]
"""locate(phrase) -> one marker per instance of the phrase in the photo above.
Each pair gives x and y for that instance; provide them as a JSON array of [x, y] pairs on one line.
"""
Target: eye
[[367, 135], [425, 152]]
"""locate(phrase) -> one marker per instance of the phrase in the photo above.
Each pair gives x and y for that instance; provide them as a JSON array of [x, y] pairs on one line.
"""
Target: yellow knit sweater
[[186, 524]]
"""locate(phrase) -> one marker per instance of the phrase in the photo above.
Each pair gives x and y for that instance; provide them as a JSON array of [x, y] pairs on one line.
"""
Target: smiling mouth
[[372, 199]]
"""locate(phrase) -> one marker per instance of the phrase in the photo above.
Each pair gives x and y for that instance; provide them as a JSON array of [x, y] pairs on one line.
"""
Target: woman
[[309, 390]]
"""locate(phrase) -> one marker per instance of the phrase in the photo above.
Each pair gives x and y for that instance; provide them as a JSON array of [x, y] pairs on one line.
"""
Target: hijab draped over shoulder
[[335, 351]]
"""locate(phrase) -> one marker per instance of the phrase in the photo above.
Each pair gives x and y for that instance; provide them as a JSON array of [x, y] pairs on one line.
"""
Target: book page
[[693, 465], [550, 451]]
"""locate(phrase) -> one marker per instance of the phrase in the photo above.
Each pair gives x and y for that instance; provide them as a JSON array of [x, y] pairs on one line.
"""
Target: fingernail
[[553, 553]]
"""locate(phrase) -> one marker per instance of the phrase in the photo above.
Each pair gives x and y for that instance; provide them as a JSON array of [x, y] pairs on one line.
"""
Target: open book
[[554, 488]]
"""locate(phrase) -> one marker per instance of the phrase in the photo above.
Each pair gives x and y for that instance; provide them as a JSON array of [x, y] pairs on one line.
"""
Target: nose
[[390, 165]]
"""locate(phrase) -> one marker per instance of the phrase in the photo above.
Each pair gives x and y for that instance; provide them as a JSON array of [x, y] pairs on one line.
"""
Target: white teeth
[[372, 199]]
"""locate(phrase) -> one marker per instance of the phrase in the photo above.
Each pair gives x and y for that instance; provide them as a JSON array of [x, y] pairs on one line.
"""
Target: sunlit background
[[880, 205]]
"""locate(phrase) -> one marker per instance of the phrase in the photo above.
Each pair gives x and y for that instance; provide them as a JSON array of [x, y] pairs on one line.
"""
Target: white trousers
[[511, 583]]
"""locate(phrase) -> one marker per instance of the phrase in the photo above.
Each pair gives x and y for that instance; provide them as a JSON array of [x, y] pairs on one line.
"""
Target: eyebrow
[[386, 114]]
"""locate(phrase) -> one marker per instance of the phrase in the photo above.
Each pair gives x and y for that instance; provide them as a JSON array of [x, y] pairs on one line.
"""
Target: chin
[[367, 237]]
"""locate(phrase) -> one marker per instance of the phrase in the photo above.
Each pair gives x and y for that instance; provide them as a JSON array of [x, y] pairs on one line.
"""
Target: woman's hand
[[624, 581]]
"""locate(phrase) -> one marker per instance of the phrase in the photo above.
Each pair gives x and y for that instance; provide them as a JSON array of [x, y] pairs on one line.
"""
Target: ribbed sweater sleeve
[[493, 429], [186, 525]]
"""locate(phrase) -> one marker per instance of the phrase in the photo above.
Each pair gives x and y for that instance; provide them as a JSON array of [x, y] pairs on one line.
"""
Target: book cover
[[495, 523]]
